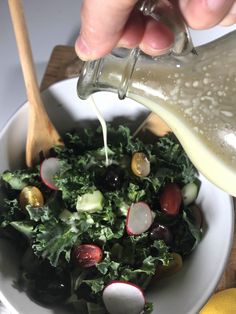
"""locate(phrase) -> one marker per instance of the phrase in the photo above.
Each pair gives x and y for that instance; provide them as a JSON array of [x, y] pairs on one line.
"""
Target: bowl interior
[[184, 293]]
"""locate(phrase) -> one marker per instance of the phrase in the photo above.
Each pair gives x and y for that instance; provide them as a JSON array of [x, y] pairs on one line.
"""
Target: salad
[[96, 236]]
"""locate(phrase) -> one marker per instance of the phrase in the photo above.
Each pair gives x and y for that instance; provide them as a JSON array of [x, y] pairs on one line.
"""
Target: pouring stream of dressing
[[103, 125]]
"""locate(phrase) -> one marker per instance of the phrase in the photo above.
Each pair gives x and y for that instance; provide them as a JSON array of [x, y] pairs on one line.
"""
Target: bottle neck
[[111, 73]]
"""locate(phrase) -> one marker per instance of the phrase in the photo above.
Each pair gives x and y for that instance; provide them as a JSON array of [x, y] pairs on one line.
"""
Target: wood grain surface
[[64, 64]]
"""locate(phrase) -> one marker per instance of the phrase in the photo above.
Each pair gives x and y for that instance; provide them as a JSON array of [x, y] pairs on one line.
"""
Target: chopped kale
[[56, 227]]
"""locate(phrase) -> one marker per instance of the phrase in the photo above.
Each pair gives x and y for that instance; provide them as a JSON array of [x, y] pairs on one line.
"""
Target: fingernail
[[155, 46], [82, 49], [153, 51], [126, 44], [215, 5]]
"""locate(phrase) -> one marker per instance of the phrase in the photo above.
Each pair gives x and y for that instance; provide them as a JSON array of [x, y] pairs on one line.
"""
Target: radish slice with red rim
[[48, 169], [123, 297], [139, 218]]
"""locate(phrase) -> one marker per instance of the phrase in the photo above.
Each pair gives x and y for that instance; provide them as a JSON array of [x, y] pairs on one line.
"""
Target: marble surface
[[50, 23]]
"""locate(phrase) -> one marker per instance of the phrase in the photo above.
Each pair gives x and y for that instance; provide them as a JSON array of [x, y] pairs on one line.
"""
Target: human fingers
[[133, 31], [152, 37], [230, 18], [203, 14], [102, 24], [157, 38]]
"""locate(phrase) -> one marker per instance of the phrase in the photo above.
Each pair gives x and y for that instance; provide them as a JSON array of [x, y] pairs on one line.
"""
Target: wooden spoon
[[154, 124], [41, 135]]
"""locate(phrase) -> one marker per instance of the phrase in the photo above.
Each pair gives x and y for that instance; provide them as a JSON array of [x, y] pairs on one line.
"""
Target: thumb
[[202, 14], [102, 24]]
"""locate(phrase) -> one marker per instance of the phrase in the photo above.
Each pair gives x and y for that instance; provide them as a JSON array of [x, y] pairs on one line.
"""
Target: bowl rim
[[211, 287], [218, 276]]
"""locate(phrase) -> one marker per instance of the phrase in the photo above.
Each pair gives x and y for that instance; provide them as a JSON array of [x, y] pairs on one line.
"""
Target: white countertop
[[50, 23]]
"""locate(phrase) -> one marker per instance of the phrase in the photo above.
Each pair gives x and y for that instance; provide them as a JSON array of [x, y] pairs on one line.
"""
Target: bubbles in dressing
[[200, 92]]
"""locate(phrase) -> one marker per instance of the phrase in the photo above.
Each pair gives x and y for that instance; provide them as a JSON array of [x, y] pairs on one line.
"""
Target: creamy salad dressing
[[214, 165], [102, 121]]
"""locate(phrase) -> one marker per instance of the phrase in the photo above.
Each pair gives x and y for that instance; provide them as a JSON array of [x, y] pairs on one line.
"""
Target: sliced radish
[[139, 218], [48, 169], [122, 297]]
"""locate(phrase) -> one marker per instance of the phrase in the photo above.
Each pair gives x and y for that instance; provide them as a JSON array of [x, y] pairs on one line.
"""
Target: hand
[[106, 24]]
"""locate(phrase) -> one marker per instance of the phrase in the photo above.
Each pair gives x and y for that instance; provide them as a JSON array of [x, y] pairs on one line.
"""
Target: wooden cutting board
[[64, 64]]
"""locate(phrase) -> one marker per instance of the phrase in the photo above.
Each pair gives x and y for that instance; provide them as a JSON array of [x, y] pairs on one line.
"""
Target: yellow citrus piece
[[223, 302]]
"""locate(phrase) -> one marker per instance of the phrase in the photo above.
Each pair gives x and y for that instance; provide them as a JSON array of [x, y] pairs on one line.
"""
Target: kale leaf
[[56, 227]]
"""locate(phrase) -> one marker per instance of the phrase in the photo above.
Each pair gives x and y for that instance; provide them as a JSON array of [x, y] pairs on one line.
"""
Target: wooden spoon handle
[[41, 135], [154, 124], [25, 53]]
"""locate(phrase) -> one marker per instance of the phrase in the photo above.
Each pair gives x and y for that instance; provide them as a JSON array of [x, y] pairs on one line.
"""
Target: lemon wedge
[[223, 302]]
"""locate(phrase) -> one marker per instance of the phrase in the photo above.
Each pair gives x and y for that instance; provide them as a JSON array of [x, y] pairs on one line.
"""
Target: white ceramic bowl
[[184, 293]]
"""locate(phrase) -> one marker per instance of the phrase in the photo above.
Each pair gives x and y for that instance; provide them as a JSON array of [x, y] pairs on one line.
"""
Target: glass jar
[[192, 89]]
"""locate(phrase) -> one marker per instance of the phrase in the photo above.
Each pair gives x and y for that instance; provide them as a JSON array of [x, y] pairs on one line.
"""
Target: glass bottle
[[192, 89]]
